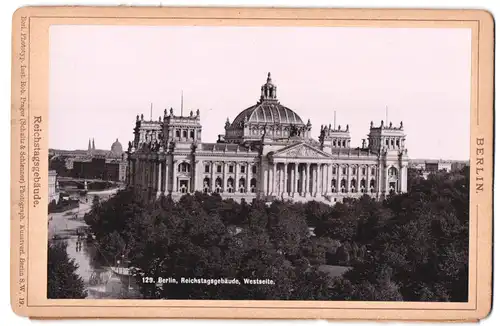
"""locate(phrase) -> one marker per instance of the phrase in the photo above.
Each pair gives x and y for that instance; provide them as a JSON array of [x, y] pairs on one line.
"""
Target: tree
[[62, 280]]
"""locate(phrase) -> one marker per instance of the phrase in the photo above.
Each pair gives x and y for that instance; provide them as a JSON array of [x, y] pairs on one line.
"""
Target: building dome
[[116, 148], [268, 110], [267, 119]]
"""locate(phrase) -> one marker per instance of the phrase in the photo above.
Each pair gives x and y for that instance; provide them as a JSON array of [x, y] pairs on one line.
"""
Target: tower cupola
[[268, 90]]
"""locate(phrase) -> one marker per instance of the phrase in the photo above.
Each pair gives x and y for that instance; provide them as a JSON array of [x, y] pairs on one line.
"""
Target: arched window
[[241, 185], [353, 185], [185, 134], [178, 134], [333, 185], [184, 167], [206, 185], [218, 185], [362, 185], [192, 134], [253, 185], [372, 186], [230, 185], [343, 185], [393, 172]]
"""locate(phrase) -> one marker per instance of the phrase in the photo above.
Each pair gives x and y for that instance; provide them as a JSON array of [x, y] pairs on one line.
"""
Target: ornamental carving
[[301, 151]]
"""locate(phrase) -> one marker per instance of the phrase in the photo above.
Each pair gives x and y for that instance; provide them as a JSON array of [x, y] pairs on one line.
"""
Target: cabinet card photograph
[[265, 163]]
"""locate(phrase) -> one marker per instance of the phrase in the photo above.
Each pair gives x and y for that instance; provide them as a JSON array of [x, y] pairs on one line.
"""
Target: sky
[[101, 77]]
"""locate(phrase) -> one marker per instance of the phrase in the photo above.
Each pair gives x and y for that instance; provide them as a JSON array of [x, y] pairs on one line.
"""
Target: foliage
[[62, 280], [411, 247]]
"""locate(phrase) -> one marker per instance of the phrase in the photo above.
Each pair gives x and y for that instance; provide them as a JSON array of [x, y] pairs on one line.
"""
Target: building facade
[[53, 189], [267, 152], [92, 163]]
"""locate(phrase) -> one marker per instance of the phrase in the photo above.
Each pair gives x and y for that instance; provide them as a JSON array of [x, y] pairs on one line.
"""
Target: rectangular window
[[334, 170], [364, 171], [231, 169], [177, 134], [373, 171], [344, 170], [219, 168], [254, 169], [242, 169], [184, 134], [192, 134], [207, 168]]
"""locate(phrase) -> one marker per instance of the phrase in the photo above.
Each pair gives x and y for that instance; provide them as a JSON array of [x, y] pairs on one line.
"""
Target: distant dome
[[116, 148]]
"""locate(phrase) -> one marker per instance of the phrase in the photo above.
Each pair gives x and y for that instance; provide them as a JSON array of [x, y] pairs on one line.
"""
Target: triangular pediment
[[301, 150]]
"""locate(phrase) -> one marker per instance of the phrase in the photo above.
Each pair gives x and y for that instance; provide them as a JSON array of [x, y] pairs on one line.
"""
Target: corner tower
[[331, 138], [389, 143], [181, 130]]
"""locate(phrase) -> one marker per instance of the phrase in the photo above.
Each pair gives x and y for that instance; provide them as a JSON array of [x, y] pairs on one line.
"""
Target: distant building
[[437, 165], [91, 163], [53, 189], [267, 152], [426, 167]]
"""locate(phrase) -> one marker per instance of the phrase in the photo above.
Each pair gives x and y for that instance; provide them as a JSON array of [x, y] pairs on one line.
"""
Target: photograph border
[[29, 120]]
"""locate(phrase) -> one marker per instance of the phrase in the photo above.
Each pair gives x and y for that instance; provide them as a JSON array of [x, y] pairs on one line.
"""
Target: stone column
[[403, 179], [158, 190], [303, 180], [316, 180], [358, 183], [264, 186], [329, 178], [273, 189], [280, 182], [248, 178], [308, 177], [386, 179], [195, 175], [349, 167], [174, 176], [293, 182], [285, 188], [338, 177], [270, 180], [167, 179], [236, 185], [224, 165], [324, 172], [212, 177]]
